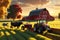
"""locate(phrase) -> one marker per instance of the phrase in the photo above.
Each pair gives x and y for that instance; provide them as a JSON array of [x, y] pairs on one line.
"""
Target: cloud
[[26, 3], [57, 4], [20, 3], [34, 2]]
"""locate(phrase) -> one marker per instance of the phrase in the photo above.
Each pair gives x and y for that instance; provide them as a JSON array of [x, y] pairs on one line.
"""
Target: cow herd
[[38, 27], [13, 24]]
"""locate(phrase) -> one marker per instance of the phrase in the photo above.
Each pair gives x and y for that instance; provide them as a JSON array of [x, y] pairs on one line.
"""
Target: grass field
[[17, 34], [54, 24], [8, 34]]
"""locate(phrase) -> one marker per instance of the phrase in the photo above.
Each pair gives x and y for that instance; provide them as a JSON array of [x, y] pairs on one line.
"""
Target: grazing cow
[[40, 28], [5, 24], [28, 26], [16, 24]]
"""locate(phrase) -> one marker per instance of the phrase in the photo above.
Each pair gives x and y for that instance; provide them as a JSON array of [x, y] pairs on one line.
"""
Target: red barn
[[39, 14]]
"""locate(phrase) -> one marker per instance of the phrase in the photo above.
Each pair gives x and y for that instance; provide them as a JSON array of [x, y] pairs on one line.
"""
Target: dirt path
[[55, 35]]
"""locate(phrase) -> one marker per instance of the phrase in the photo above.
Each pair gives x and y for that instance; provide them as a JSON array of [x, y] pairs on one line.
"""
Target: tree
[[4, 5], [59, 15], [14, 11]]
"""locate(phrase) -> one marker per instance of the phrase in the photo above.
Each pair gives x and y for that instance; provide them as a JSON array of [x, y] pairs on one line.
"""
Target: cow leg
[[11, 26], [18, 26], [22, 27]]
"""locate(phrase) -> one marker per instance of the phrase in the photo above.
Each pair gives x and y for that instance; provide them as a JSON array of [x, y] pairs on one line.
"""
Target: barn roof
[[36, 12]]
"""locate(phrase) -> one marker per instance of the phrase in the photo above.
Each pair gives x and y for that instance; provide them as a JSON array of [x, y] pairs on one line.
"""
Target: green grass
[[3, 37], [16, 36], [26, 36], [34, 35], [19, 35], [9, 37]]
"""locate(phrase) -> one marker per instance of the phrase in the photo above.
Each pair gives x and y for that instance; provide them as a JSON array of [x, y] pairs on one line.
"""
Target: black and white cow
[[5, 24], [40, 28], [16, 24]]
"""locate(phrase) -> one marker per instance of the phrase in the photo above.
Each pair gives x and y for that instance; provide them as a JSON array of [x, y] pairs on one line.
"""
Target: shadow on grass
[[27, 35], [56, 31]]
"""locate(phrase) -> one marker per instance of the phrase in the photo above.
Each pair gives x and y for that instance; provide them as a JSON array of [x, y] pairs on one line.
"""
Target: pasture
[[7, 33]]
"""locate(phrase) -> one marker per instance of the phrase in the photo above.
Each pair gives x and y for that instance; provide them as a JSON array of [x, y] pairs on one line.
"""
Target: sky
[[53, 6]]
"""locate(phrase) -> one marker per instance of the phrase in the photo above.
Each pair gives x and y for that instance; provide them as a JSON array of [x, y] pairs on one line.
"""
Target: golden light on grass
[[38, 35], [13, 32], [44, 32], [31, 38], [22, 30], [1, 33], [54, 34], [3, 28], [7, 33], [54, 24]]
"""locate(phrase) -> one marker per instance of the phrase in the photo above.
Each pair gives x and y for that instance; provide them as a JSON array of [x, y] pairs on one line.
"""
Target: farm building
[[39, 14]]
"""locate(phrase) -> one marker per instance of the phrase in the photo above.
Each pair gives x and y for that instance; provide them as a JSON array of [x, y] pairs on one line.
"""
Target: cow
[[28, 26], [5, 24], [40, 28], [16, 24]]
